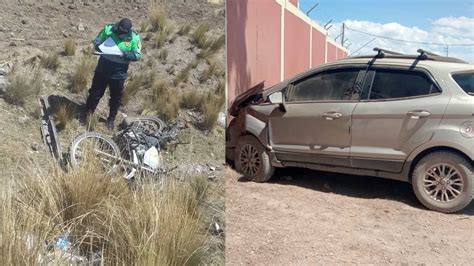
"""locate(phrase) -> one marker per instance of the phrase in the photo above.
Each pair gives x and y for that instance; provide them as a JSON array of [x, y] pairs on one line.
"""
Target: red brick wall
[[254, 43]]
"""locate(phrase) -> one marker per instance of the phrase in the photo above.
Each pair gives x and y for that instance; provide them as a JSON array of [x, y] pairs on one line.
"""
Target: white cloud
[[446, 30]]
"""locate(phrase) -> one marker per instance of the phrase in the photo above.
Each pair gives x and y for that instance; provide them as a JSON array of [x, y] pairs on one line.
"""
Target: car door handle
[[332, 115], [415, 114]]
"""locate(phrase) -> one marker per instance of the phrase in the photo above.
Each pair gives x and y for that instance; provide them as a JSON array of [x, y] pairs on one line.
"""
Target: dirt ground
[[309, 217]]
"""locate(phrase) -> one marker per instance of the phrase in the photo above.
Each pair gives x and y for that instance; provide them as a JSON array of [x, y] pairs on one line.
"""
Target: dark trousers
[[97, 90]]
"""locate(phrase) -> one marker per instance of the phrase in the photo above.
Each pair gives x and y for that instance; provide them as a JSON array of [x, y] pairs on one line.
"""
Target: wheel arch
[[427, 151]]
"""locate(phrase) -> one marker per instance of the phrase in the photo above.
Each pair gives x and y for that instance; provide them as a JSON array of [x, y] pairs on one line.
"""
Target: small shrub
[[163, 101], [81, 75], [50, 61], [163, 55], [25, 84], [184, 30], [69, 47], [157, 18], [199, 36]]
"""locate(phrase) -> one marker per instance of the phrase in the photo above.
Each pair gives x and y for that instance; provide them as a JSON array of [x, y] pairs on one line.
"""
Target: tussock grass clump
[[99, 214], [191, 100], [199, 36], [64, 114], [144, 25], [133, 85], [50, 61], [184, 30], [214, 69], [160, 38], [183, 75], [157, 18], [81, 75], [25, 85], [163, 55], [217, 44], [210, 109], [163, 101], [148, 36], [69, 47]]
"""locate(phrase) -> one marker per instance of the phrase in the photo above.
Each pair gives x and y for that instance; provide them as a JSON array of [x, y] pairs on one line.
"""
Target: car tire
[[252, 159], [443, 181]]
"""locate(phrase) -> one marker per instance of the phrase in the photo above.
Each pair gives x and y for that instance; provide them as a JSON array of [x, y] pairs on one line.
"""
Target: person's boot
[[110, 123]]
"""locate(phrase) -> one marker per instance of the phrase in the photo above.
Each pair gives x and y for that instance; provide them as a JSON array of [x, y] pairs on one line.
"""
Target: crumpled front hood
[[254, 93]]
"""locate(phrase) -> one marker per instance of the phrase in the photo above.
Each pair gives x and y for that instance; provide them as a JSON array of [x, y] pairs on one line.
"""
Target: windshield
[[465, 81]]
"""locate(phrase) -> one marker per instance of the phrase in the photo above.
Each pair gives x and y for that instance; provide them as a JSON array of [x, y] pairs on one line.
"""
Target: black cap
[[125, 25]]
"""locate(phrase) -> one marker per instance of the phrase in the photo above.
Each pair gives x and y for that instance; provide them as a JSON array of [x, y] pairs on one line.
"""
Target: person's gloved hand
[[129, 56]]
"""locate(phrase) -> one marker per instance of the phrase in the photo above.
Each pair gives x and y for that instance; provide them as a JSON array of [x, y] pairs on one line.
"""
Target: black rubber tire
[[265, 170], [86, 135], [463, 166], [160, 124]]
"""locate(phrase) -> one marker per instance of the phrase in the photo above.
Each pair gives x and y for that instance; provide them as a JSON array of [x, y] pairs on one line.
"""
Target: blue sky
[[440, 21]]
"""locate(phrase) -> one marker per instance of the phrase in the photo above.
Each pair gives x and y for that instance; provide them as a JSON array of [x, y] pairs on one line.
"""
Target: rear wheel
[[443, 181], [252, 159]]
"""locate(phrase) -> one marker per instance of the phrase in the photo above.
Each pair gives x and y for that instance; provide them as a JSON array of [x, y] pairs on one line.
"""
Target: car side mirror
[[277, 98]]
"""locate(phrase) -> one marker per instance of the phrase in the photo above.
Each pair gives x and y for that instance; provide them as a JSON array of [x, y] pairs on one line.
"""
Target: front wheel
[[95, 146], [443, 181], [252, 159]]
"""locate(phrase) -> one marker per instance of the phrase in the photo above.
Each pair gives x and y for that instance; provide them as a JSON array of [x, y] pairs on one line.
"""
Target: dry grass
[[133, 85], [213, 69], [159, 40], [157, 18], [25, 85], [184, 30], [199, 37], [100, 215], [63, 115], [81, 75], [163, 101], [191, 100], [148, 36], [163, 55], [183, 75], [69, 47], [50, 61], [144, 25], [210, 109], [217, 44]]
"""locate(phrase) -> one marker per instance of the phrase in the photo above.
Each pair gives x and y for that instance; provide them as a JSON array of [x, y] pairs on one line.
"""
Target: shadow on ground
[[366, 187]]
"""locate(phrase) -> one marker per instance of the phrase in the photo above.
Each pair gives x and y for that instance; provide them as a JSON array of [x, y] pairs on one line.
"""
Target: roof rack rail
[[424, 53], [381, 52]]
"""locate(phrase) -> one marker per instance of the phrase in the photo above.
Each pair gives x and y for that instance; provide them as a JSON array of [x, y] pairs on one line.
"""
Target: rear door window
[[392, 84], [465, 81], [325, 86]]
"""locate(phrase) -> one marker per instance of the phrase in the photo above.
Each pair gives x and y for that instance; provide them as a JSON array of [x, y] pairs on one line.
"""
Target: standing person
[[112, 70]]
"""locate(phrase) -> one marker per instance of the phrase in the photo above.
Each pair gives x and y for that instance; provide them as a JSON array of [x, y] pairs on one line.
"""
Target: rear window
[[465, 81], [389, 84]]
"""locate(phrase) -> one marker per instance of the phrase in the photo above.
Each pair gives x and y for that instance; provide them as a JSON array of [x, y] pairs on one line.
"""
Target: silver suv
[[403, 117]]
